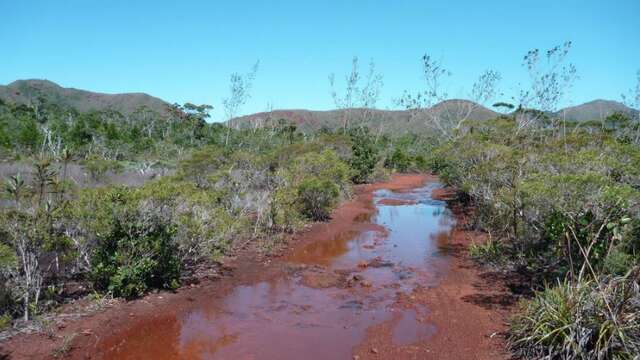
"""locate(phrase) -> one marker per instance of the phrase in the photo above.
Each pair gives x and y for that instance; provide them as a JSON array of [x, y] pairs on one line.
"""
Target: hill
[[388, 121], [35, 91], [392, 121], [595, 110]]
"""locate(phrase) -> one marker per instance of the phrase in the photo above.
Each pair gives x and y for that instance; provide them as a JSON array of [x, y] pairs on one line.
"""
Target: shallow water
[[318, 310]]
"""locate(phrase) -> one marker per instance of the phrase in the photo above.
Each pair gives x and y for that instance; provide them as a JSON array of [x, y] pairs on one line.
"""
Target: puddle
[[343, 286]]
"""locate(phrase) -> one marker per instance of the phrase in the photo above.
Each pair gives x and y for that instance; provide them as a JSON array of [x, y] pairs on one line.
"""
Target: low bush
[[364, 155], [595, 319], [490, 252], [317, 197], [399, 160], [138, 253]]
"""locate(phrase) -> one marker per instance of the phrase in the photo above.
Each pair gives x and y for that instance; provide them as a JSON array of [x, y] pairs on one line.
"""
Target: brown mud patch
[[396, 202]]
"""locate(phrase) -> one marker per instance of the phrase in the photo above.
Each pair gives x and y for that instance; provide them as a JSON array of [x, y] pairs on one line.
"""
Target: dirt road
[[386, 278]]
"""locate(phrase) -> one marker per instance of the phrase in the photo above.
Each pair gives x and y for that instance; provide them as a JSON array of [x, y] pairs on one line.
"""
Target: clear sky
[[185, 50]]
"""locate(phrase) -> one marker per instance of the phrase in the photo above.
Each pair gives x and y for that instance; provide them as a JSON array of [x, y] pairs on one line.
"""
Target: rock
[[365, 284], [362, 264], [321, 280], [374, 350], [379, 262]]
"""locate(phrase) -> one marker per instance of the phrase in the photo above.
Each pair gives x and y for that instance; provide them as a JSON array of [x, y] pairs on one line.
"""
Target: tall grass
[[588, 319]]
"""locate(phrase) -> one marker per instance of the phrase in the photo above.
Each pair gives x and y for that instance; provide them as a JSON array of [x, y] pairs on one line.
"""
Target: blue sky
[[185, 50]]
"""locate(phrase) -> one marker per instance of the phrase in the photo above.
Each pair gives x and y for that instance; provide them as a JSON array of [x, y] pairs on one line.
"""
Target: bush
[[491, 252], [137, 254], [399, 160], [317, 197], [364, 155], [585, 320], [5, 321], [98, 167]]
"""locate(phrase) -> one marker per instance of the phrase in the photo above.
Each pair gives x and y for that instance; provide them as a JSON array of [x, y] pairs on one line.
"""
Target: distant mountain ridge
[[30, 91], [394, 121], [595, 110]]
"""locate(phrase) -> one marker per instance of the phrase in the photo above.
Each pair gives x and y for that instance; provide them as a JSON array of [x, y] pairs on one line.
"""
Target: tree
[[447, 119], [239, 93], [549, 82], [360, 93], [364, 155], [632, 100]]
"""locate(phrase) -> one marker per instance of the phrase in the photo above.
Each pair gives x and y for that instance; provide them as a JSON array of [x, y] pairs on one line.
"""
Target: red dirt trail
[[350, 288]]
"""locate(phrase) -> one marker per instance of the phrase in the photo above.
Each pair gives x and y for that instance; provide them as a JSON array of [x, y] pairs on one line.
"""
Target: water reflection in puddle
[[342, 287]]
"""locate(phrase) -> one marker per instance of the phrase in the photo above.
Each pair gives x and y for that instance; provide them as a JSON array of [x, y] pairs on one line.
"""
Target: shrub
[[584, 320], [399, 160], [5, 321], [317, 197], [138, 253], [364, 155], [490, 252], [617, 262], [98, 167], [325, 165]]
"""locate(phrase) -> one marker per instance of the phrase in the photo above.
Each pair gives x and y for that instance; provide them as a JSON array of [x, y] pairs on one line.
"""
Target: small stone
[[365, 284], [363, 264], [374, 350], [356, 357]]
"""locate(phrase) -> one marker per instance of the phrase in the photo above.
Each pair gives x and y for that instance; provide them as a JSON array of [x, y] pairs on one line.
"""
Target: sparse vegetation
[[559, 198]]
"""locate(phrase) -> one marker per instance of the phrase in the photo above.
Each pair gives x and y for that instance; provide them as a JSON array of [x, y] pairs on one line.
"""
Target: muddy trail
[[386, 278]]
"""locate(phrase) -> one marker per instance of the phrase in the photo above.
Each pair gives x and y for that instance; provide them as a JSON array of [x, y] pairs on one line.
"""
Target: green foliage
[[587, 320], [365, 155], [561, 207], [400, 160], [490, 252], [97, 167], [136, 254], [5, 321], [317, 197]]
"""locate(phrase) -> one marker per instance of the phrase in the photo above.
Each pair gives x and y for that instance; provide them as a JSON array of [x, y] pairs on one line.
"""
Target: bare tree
[[447, 119], [632, 100], [239, 93], [550, 80], [360, 94]]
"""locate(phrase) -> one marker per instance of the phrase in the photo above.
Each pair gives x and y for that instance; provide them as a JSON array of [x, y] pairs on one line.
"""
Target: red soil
[[396, 202], [467, 307]]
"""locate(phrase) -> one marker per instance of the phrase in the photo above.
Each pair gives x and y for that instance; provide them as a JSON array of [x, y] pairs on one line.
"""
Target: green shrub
[[490, 252], [325, 165], [97, 167], [5, 321], [618, 262], [399, 160], [586, 320], [137, 254], [317, 197], [364, 155]]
